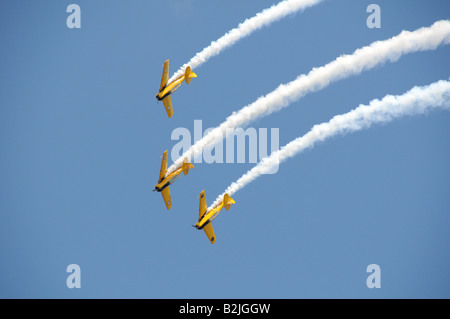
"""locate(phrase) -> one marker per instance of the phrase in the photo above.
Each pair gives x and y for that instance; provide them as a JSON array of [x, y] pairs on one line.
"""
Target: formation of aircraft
[[165, 180], [166, 89], [206, 217]]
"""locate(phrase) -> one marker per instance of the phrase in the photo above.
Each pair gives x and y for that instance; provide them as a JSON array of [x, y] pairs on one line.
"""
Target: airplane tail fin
[[186, 166], [165, 75], [227, 201], [163, 170], [189, 75]]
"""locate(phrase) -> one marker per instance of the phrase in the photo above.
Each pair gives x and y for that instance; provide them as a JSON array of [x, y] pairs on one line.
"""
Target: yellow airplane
[[206, 217], [166, 89], [164, 181]]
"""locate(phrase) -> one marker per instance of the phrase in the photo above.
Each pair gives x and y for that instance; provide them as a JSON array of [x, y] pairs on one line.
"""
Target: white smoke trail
[[418, 100], [366, 58], [261, 19]]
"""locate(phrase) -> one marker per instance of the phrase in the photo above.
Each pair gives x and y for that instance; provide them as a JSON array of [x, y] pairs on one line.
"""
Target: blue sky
[[81, 139]]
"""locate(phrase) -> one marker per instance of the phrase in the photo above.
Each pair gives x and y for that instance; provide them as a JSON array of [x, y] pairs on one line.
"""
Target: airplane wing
[[163, 170], [203, 207], [168, 105], [165, 75], [209, 231], [166, 195]]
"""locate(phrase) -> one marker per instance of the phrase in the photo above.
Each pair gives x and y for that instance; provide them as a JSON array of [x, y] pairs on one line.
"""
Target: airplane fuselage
[[169, 88], [168, 180], [209, 216]]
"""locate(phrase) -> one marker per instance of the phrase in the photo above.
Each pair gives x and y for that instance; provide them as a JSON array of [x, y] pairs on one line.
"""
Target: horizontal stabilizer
[[189, 75], [186, 166], [227, 201]]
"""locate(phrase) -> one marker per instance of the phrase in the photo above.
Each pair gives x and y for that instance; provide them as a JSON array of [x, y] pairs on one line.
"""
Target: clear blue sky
[[81, 137]]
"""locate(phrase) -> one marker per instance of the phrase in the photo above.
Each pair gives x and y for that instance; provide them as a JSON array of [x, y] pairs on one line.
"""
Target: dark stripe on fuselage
[[162, 188], [162, 98], [201, 227]]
